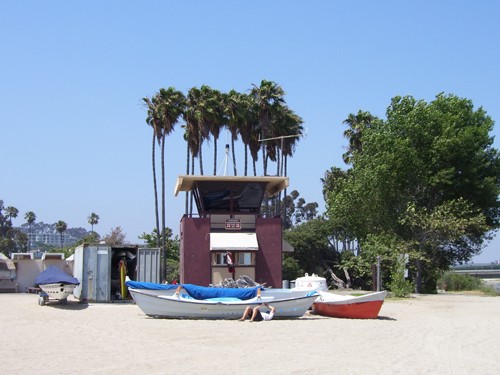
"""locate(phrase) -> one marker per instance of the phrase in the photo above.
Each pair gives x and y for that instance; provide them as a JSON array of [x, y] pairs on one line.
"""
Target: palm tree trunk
[[215, 156], [191, 194], [157, 217], [234, 156], [246, 159], [200, 156], [187, 173], [29, 240], [163, 239], [264, 163]]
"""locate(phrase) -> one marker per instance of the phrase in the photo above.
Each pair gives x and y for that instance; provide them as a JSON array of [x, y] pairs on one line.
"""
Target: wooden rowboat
[[354, 307]]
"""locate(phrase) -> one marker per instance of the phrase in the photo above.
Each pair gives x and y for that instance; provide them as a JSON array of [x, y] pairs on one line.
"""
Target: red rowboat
[[354, 307]]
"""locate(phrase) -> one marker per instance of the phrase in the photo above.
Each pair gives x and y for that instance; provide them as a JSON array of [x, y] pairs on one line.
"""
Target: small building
[[229, 237], [102, 270]]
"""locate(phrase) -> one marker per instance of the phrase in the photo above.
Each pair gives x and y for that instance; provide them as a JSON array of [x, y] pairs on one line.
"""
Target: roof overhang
[[230, 194], [189, 182], [233, 241]]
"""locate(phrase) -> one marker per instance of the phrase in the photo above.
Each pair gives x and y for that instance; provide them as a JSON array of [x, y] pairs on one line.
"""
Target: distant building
[[46, 238]]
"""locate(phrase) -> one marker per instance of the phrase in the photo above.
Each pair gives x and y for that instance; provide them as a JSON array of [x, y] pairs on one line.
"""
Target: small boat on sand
[[171, 289], [216, 303], [55, 284], [345, 306]]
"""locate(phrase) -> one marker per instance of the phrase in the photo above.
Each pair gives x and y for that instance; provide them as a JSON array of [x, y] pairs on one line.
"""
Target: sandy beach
[[430, 334]]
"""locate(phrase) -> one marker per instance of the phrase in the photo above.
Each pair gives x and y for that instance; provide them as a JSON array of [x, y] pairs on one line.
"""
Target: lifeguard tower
[[229, 237]]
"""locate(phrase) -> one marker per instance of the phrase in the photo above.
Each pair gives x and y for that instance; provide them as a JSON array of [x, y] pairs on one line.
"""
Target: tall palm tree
[[194, 116], [357, 123], [248, 124], [61, 227], [30, 218], [235, 114], [214, 117], [289, 129], [93, 219], [192, 131], [12, 213], [170, 108], [268, 95], [254, 146], [154, 121]]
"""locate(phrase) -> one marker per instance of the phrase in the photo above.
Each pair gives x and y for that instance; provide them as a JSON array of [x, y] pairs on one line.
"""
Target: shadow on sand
[[68, 305]]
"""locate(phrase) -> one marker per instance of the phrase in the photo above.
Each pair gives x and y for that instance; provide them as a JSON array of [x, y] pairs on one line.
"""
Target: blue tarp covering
[[200, 292], [203, 292], [54, 275], [150, 286]]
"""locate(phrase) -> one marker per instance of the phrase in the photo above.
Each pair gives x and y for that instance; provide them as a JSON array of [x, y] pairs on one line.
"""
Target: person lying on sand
[[256, 315]]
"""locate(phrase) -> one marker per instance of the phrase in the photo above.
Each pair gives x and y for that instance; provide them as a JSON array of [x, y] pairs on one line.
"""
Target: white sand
[[437, 334]]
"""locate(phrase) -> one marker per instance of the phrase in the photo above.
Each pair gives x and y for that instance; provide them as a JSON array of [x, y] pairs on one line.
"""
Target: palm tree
[[61, 227], [214, 118], [357, 123], [248, 129], [30, 218], [289, 130], [268, 95], [254, 146], [170, 108], [93, 219], [12, 213], [193, 116], [153, 120]]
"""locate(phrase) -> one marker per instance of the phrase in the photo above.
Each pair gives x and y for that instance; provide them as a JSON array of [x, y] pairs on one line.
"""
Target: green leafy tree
[[434, 159], [291, 268], [90, 238], [312, 248]]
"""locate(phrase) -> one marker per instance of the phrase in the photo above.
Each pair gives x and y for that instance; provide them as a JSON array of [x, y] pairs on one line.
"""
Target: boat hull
[[176, 307], [171, 290], [362, 307], [58, 291]]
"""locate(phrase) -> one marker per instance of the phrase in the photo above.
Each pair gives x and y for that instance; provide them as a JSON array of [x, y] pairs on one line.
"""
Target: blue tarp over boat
[[54, 275], [200, 292], [150, 286], [203, 292]]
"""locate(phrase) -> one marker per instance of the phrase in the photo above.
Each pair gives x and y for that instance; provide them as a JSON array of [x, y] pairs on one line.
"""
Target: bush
[[398, 286], [451, 281]]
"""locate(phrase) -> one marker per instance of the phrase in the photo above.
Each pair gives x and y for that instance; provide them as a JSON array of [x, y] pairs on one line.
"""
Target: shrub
[[398, 286], [451, 281]]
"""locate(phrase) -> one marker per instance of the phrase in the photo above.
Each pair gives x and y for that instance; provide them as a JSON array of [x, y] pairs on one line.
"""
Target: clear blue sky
[[73, 133]]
